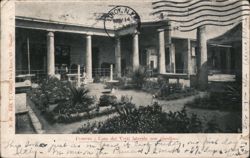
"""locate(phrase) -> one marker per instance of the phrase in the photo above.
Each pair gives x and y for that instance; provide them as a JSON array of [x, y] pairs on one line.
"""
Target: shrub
[[151, 119], [70, 100], [89, 128], [125, 107], [79, 102], [229, 100], [161, 80], [212, 126], [170, 91], [52, 89], [139, 76], [107, 100], [49, 116]]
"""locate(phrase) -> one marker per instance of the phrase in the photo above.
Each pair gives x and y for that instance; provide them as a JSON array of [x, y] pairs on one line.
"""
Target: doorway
[[95, 57]]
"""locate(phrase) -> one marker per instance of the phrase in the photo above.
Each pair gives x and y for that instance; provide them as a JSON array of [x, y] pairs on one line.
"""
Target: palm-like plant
[[125, 107], [80, 99]]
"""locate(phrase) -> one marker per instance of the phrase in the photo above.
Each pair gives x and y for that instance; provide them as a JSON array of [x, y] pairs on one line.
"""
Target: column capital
[[160, 29], [165, 25], [164, 28], [201, 29], [135, 33], [50, 33], [88, 35], [117, 37]]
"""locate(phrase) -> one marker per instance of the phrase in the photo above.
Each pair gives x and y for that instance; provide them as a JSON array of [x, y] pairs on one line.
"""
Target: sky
[[85, 13]]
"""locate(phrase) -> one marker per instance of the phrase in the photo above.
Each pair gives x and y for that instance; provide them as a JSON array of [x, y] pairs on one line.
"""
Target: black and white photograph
[[129, 67]]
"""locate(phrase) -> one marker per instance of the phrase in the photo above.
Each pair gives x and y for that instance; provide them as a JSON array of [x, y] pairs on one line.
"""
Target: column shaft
[[50, 54], [118, 57], [111, 72], [148, 53], [89, 58], [202, 50], [168, 33], [170, 46], [188, 58], [135, 60], [161, 55], [172, 58]]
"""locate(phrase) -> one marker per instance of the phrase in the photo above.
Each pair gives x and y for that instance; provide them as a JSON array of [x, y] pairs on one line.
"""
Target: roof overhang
[[40, 24]]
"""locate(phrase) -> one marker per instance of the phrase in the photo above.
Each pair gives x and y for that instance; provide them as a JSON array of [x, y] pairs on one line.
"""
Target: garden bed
[[62, 102], [53, 117], [229, 99], [215, 101], [170, 91], [150, 119]]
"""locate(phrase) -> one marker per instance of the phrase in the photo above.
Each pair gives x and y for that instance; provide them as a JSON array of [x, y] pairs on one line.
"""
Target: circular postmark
[[120, 17]]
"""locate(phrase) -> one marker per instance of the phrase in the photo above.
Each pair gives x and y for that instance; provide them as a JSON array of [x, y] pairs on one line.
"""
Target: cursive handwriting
[[207, 146]]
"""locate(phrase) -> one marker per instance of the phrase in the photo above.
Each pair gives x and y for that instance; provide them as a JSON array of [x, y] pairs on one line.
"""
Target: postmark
[[120, 17]]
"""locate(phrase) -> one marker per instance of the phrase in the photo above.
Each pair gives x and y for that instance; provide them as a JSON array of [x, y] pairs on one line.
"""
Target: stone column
[[161, 55], [50, 54], [89, 58], [170, 46], [78, 76], [228, 60], [172, 58], [202, 50], [148, 54], [111, 72], [188, 58], [118, 56], [135, 58]]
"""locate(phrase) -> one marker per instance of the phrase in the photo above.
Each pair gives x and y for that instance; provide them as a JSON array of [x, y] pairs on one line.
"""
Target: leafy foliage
[[89, 128], [107, 100], [229, 100], [50, 91], [125, 107], [79, 102], [69, 100], [139, 76], [171, 91], [212, 126], [148, 119]]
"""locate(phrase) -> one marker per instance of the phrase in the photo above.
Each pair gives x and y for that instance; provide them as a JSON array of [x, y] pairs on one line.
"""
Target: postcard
[[105, 78]]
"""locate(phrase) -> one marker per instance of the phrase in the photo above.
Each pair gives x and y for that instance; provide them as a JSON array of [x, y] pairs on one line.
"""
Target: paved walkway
[[143, 98]]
